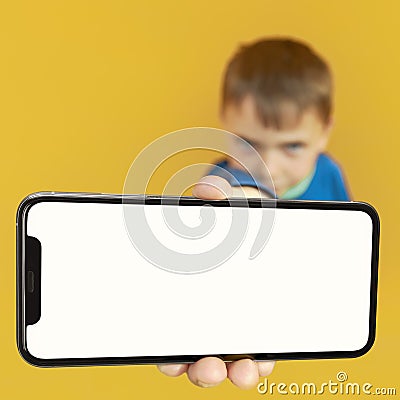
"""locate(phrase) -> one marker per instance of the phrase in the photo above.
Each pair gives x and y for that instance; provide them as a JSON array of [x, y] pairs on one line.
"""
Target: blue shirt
[[327, 182]]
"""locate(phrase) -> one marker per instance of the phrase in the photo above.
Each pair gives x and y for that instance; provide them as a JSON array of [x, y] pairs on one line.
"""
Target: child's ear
[[221, 113], [326, 133], [329, 124]]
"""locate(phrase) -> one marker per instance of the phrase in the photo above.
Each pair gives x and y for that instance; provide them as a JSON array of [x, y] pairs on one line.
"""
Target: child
[[277, 96]]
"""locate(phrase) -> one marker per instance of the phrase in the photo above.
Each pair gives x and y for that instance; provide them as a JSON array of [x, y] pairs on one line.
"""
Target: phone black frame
[[77, 197]]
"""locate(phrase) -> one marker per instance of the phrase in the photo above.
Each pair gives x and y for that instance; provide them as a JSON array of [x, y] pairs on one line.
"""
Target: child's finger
[[207, 372], [173, 369], [243, 373], [212, 187], [265, 367]]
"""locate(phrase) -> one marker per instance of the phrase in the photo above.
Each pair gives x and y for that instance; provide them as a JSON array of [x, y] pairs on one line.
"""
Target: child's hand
[[211, 371]]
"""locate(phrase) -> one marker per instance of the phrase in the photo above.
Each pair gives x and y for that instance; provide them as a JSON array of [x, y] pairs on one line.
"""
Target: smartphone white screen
[[308, 290]]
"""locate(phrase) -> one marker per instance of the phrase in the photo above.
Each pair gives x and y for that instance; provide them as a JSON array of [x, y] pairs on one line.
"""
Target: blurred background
[[85, 85]]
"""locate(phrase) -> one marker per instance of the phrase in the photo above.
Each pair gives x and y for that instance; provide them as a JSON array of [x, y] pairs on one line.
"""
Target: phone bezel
[[77, 197]]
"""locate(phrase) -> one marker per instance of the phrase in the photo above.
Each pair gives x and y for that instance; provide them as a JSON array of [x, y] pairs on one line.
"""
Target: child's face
[[290, 154]]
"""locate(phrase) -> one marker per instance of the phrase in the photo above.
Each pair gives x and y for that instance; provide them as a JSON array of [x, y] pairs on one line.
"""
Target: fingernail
[[161, 367], [205, 385]]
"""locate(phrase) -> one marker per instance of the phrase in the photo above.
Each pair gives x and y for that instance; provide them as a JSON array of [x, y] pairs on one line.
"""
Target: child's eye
[[294, 147], [245, 143], [251, 143]]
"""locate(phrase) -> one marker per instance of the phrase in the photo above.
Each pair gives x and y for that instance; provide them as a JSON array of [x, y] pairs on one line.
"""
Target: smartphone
[[107, 279]]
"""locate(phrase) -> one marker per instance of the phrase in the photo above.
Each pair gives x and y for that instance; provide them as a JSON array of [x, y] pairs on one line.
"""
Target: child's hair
[[278, 72]]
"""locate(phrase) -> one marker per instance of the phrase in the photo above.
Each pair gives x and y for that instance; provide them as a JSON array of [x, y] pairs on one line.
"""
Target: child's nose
[[273, 162]]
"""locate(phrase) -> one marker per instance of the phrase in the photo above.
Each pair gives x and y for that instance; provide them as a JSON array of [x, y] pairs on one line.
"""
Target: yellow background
[[85, 85]]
